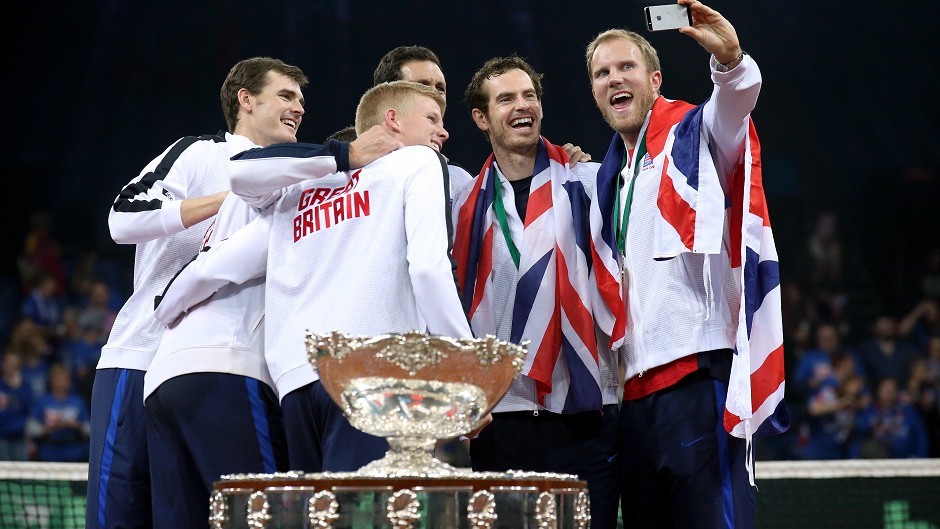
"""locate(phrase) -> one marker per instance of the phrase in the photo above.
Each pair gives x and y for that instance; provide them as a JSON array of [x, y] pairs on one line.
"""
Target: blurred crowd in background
[[863, 375]]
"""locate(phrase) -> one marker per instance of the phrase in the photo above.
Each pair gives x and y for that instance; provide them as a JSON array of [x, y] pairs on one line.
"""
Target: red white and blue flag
[[551, 308], [692, 210], [755, 394]]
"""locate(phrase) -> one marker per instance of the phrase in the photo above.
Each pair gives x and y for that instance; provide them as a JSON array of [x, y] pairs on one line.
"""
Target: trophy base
[[410, 465], [470, 500]]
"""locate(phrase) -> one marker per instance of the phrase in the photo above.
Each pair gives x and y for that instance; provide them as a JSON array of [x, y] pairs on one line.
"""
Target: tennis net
[[876, 494], [857, 494], [42, 495]]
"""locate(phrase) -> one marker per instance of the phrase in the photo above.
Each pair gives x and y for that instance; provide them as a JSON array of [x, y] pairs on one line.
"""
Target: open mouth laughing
[[621, 100]]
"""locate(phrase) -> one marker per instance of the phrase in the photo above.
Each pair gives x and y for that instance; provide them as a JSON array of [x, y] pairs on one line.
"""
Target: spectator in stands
[[86, 353], [43, 306], [797, 322], [855, 397], [822, 440], [97, 312], [36, 353], [921, 323], [923, 390], [81, 349], [42, 253], [58, 423], [825, 252], [816, 364], [16, 400], [89, 270], [917, 381], [888, 428], [845, 366], [933, 357], [832, 409], [883, 356], [83, 274], [833, 392]]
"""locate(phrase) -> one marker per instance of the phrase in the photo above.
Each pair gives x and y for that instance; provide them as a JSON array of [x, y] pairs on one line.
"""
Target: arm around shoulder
[[156, 203], [236, 260], [259, 175], [166, 218]]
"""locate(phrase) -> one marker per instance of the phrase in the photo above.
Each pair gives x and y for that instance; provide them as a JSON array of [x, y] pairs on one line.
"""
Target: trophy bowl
[[413, 389]]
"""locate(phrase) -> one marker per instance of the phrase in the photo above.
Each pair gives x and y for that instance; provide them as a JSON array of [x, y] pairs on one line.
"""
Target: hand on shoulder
[[371, 145]]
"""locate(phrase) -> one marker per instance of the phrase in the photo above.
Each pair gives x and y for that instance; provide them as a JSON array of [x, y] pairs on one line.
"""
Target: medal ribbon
[[503, 221], [622, 224]]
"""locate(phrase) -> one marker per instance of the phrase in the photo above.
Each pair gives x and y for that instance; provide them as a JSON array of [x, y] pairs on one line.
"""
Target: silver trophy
[[414, 389]]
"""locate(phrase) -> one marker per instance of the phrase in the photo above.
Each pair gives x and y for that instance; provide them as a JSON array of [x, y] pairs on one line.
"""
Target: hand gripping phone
[[670, 16]]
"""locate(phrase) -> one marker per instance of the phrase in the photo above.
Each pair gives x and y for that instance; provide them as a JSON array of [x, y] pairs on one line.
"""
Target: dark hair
[[476, 97], [389, 68], [347, 134], [252, 75]]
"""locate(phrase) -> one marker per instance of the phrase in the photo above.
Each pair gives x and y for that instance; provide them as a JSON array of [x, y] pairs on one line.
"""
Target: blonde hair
[[400, 95], [650, 57]]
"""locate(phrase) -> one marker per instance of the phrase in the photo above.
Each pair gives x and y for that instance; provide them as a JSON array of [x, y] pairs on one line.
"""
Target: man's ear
[[480, 119], [656, 80], [244, 99], [392, 120]]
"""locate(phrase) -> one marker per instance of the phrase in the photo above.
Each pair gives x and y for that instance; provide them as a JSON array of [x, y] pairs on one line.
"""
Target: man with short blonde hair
[[400, 95], [647, 51], [365, 252]]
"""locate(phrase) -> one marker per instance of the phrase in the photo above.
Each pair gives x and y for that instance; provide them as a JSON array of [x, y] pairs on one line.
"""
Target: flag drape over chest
[[551, 308], [692, 210]]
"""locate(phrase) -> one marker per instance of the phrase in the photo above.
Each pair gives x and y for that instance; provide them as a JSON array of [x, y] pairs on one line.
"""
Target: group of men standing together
[[630, 339]]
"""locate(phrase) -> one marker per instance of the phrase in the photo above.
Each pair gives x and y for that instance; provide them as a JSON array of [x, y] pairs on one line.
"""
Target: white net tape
[[43, 471], [792, 494], [854, 468]]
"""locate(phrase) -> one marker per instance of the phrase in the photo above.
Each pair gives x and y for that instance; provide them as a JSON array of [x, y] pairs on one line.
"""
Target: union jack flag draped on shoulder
[[551, 307], [692, 209]]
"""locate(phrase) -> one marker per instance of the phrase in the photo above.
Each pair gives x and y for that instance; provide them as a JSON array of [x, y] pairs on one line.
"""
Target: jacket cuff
[[340, 150]]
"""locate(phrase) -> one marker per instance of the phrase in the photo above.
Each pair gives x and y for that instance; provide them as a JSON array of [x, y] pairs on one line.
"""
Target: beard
[[503, 137], [631, 123]]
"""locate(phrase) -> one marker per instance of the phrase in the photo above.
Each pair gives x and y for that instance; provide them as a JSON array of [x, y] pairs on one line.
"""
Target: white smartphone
[[670, 16]]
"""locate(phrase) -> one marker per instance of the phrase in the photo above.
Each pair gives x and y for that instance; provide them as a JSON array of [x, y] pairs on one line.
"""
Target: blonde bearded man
[[666, 226]]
